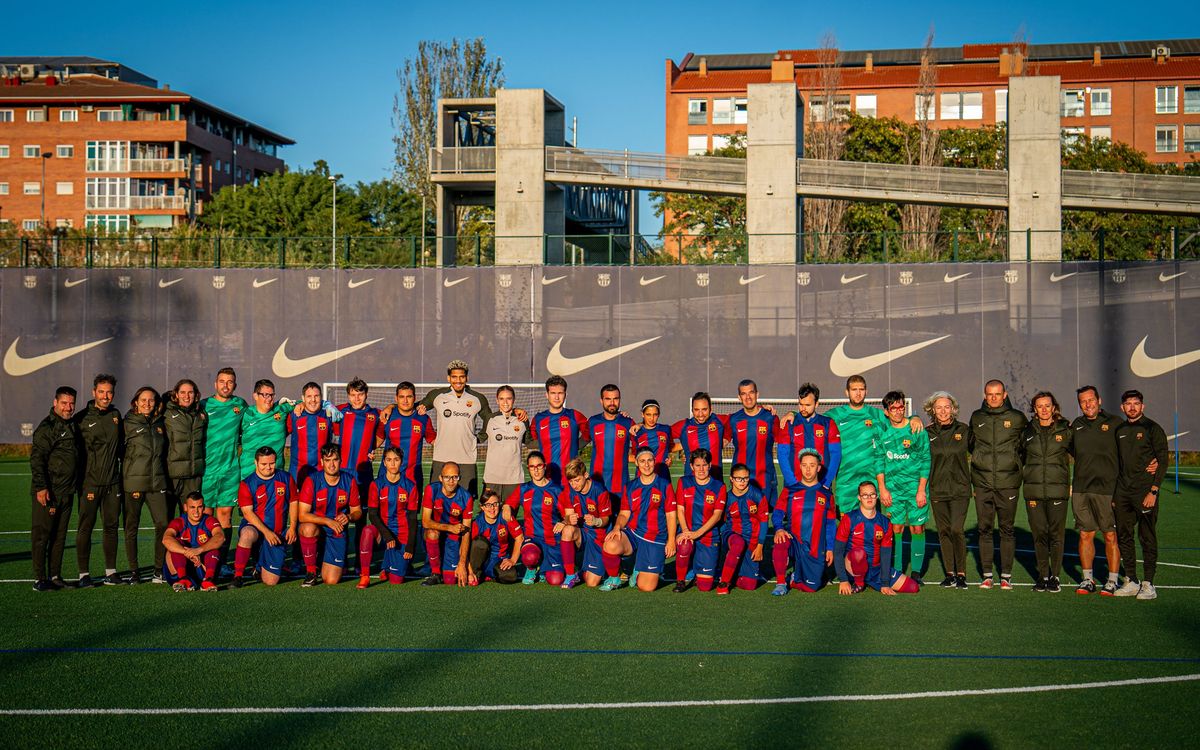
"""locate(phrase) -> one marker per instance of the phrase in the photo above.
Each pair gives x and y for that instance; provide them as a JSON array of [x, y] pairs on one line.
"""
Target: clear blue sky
[[325, 73]]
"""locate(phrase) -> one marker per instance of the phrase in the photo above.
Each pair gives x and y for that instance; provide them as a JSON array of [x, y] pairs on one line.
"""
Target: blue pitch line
[[570, 652]]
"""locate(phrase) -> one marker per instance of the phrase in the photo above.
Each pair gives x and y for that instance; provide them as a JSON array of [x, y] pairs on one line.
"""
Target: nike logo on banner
[[163, 283], [547, 281], [286, 367], [352, 284], [1145, 366], [259, 284], [558, 364], [1178, 435], [644, 281], [1057, 277], [68, 283], [448, 283], [851, 279], [1164, 278], [745, 281], [951, 279], [844, 366], [16, 365]]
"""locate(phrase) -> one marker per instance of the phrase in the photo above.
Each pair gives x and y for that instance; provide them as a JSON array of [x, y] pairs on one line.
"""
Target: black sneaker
[[1087, 586], [113, 580], [948, 582], [84, 582], [917, 579], [1052, 585], [42, 584], [680, 586], [310, 580], [1040, 584], [433, 580], [133, 579], [57, 583], [960, 582], [237, 582]]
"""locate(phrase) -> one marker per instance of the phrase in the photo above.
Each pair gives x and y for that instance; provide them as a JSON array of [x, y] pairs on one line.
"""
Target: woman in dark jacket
[[144, 475], [186, 426], [1046, 445], [949, 483]]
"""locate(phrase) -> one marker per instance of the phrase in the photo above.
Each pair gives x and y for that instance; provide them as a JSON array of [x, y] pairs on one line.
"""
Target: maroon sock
[[704, 583], [308, 548], [568, 556], [612, 565], [745, 583], [683, 559], [210, 564], [180, 563], [737, 546], [433, 553], [240, 559], [366, 548], [779, 555]]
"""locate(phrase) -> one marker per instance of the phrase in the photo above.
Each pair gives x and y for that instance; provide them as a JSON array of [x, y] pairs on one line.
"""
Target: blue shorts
[[648, 557], [873, 577], [747, 567], [270, 556], [593, 555], [551, 555], [705, 558], [394, 563], [450, 550], [807, 571], [335, 550]]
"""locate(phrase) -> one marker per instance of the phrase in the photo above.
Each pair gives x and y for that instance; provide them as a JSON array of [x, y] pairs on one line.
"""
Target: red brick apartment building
[[93, 143], [1144, 93]]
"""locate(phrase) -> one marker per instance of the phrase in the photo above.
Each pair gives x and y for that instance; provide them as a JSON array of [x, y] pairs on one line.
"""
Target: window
[[1104, 132], [722, 112], [697, 111], [68, 115], [65, 151], [865, 105], [1166, 100], [1072, 103], [697, 144], [30, 225], [1101, 102], [64, 223], [107, 222], [6, 115], [239, 171], [3, 152], [217, 165], [962, 105], [818, 111], [924, 107], [1191, 138], [740, 107], [720, 141], [64, 188], [35, 115], [107, 156], [109, 115], [3, 188], [1191, 100], [1165, 139], [32, 152], [228, 167], [1070, 136], [1001, 105], [33, 188], [107, 192]]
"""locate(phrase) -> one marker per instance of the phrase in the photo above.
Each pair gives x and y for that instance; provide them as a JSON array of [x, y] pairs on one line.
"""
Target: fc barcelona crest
[[1011, 277], [314, 282], [280, 491], [31, 282], [702, 279], [219, 281], [1118, 276], [906, 278], [505, 280], [124, 282], [409, 282], [878, 534], [803, 278], [604, 279]]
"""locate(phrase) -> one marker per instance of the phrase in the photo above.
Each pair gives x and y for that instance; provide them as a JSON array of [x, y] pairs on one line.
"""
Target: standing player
[[752, 431], [185, 426], [268, 500], [502, 469], [193, 542], [328, 500], [745, 528], [804, 521], [402, 426], [549, 546], [311, 429], [557, 431], [701, 430], [611, 435], [263, 424], [1140, 442], [862, 550], [144, 478], [456, 407], [655, 436], [1046, 448], [101, 439], [358, 433], [1092, 487], [995, 446], [949, 484], [645, 528], [221, 479], [392, 501], [491, 539], [53, 467], [902, 459], [446, 510], [809, 430], [699, 506], [592, 505]]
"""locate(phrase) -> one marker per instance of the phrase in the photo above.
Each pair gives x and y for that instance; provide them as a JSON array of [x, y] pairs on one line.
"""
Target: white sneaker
[[1130, 588], [1147, 591]]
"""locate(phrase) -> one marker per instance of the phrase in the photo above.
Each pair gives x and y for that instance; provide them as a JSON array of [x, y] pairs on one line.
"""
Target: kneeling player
[[745, 528], [329, 500], [446, 510], [391, 502], [700, 502], [268, 500], [645, 528], [549, 548], [862, 552], [193, 542], [804, 520], [592, 504], [491, 539]]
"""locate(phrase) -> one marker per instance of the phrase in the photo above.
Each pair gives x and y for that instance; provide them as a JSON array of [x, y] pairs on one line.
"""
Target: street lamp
[[333, 178], [45, 156]]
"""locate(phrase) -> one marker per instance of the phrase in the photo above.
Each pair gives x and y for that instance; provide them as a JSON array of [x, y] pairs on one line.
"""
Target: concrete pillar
[[1034, 168], [527, 208], [774, 138], [446, 220]]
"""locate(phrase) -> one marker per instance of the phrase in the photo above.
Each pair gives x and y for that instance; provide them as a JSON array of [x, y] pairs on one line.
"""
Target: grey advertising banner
[[660, 332]]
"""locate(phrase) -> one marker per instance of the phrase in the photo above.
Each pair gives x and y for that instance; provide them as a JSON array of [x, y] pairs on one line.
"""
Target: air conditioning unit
[[28, 71], [87, 108], [1162, 51]]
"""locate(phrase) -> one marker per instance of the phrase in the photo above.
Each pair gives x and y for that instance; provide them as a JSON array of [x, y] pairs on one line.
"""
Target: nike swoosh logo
[[1164, 278], [1145, 366], [951, 279], [852, 279], [68, 283], [259, 284], [448, 283], [286, 367], [744, 281], [16, 365], [92, 424], [547, 281], [163, 283], [844, 366], [352, 284], [643, 280], [1178, 435], [1057, 277], [558, 364]]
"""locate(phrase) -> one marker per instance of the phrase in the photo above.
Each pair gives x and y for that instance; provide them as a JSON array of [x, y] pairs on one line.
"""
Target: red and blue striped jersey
[[648, 506], [818, 432], [711, 435], [558, 435], [330, 500], [753, 439], [193, 535], [656, 438], [699, 502], [611, 443], [448, 510], [268, 498], [597, 502], [809, 514], [499, 534], [746, 515], [406, 433], [541, 508], [357, 433], [394, 501], [872, 535], [310, 432]]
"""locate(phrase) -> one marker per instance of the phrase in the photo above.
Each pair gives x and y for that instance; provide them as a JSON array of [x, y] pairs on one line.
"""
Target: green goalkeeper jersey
[[903, 459], [224, 424], [858, 429], [260, 430]]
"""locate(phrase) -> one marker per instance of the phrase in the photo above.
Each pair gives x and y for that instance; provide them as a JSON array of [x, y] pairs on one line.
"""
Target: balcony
[[136, 202], [118, 166]]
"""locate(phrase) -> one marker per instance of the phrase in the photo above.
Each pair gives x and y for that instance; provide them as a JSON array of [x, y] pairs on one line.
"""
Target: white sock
[[1112, 577], [110, 571], [1087, 574]]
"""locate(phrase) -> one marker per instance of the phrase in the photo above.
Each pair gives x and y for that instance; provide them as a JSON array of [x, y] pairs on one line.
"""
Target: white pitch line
[[507, 707]]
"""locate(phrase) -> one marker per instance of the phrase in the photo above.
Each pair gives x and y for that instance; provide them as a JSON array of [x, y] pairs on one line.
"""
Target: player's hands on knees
[[613, 536], [756, 555], [782, 537], [290, 536], [558, 527], [506, 564], [456, 528], [337, 525], [845, 589], [685, 536], [271, 537], [669, 551], [887, 591]]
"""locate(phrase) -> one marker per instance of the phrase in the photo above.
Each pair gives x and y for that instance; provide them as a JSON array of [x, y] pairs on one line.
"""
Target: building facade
[[89, 143]]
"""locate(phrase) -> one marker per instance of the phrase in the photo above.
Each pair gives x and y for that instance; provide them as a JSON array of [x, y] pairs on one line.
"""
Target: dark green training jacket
[[1096, 453], [1046, 459], [53, 459], [102, 439], [1139, 443], [950, 471], [144, 467], [995, 446], [186, 432]]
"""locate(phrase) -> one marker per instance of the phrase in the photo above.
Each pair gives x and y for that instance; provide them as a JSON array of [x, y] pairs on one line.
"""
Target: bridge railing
[[643, 166], [1101, 186], [901, 178], [462, 160]]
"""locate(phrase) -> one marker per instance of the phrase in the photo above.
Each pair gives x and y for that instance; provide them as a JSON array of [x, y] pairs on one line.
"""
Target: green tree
[[704, 228]]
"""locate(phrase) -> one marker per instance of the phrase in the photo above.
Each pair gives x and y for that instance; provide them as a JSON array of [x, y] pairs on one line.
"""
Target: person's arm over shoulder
[[427, 402], [485, 413]]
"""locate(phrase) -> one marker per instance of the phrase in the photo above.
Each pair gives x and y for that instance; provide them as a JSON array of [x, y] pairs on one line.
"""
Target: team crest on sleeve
[[314, 282], [218, 281]]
